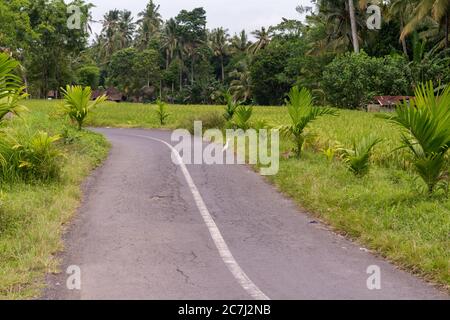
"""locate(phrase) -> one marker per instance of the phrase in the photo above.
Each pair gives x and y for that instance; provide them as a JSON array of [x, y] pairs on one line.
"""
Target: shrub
[[212, 120], [29, 156], [38, 156], [77, 103], [302, 113], [352, 80], [88, 76], [358, 158], [426, 132]]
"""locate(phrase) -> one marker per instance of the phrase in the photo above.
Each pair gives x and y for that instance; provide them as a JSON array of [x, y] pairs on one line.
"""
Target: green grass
[[386, 211], [32, 215]]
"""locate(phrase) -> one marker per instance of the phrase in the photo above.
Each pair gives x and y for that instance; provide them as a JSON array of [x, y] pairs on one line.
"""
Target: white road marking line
[[216, 235]]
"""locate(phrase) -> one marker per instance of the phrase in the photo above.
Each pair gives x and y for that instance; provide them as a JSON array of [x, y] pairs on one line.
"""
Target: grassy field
[[386, 211], [32, 215]]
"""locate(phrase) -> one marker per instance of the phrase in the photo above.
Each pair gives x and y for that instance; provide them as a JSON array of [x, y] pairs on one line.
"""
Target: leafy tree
[[121, 71], [88, 76], [267, 70], [351, 80]]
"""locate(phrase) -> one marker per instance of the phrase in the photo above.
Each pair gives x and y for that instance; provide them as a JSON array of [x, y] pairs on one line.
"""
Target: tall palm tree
[[351, 11], [439, 11], [170, 40], [109, 32], [240, 43], [149, 23], [126, 29], [335, 19], [263, 38], [218, 42], [241, 86], [401, 10]]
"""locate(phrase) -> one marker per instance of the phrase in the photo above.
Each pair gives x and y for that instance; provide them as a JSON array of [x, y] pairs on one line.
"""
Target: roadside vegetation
[[43, 160]]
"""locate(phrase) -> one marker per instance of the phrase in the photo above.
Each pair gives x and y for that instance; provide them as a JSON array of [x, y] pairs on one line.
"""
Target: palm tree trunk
[[192, 70], [223, 70], [351, 7], [403, 39], [446, 30]]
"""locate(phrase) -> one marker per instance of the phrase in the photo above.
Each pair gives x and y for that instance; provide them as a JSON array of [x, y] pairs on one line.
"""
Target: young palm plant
[[302, 112], [426, 124], [231, 107], [242, 117], [11, 89], [78, 104], [162, 113], [358, 158]]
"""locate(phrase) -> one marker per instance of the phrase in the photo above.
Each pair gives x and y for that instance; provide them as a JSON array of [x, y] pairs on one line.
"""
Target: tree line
[[332, 52]]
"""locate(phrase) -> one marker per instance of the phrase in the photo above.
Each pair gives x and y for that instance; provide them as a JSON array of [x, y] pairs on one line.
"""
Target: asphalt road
[[149, 229]]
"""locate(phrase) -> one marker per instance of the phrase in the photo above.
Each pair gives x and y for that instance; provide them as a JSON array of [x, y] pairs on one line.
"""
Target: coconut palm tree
[[263, 38], [126, 29], [170, 40], [335, 18], [401, 10], [240, 43], [108, 36], [241, 86], [218, 42], [149, 23], [439, 11], [351, 11]]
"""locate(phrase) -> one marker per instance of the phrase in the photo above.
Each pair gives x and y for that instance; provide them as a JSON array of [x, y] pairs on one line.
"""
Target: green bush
[[88, 76], [29, 156], [352, 80], [212, 120]]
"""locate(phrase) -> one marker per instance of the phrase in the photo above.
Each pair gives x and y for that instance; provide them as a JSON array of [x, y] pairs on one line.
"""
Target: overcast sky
[[234, 15]]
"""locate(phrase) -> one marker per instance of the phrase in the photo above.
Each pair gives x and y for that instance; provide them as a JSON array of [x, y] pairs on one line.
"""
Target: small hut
[[115, 95], [386, 103]]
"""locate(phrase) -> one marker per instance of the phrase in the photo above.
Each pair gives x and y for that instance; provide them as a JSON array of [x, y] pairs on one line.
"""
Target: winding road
[[150, 229]]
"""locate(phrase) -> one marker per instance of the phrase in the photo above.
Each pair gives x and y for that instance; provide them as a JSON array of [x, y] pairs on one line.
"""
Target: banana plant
[[425, 121], [358, 157], [78, 104], [302, 113]]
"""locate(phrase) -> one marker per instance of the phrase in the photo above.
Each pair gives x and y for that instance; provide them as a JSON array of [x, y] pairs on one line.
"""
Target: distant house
[[386, 103], [112, 93], [52, 94]]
